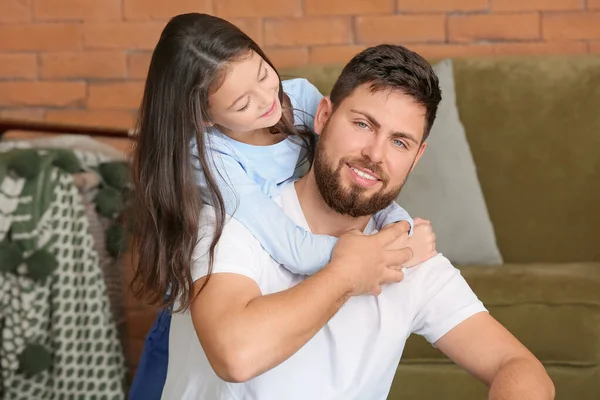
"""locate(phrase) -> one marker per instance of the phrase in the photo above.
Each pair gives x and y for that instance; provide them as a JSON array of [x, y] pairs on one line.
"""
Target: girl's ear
[[323, 114]]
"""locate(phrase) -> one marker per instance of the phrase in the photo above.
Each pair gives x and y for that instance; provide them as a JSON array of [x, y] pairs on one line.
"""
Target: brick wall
[[84, 61]]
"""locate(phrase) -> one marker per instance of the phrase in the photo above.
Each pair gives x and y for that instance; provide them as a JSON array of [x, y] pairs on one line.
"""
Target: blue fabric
[[151, 372]]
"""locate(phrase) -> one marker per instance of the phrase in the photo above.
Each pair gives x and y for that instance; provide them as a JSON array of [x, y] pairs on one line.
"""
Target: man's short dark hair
[[393, 68]]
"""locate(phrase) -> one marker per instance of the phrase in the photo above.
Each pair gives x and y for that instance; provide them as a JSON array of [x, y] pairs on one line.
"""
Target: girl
[[218, 126]]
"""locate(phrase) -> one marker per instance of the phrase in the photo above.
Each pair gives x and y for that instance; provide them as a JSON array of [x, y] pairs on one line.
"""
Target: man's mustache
[[366, 163]]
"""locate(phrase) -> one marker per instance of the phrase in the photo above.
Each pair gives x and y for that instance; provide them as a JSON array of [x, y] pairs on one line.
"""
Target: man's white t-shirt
[[354, 356]]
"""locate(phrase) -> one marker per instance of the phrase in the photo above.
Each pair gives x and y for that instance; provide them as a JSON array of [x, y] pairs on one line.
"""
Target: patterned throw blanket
[[58, 338]]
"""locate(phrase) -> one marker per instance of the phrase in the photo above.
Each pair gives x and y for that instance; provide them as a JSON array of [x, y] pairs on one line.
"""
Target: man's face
[[367, 148]]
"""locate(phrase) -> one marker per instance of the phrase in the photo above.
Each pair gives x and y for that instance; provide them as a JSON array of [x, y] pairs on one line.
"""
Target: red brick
[[137, 65], [15, 65], [126, 95], [257, 8], [561, 26], [594, 47], [307, 31], [400, 28], [333, 54], [41, 93], [252, 27], [116, 119], [164, 9], [348, 7], [122, 35], [32, 114], [45, 10], [441, 5], [466, 28], [342, 54], [92, 64], [15, 11], [287, 57], [536, 5], [438, 51], [540, 48], [46, 37]]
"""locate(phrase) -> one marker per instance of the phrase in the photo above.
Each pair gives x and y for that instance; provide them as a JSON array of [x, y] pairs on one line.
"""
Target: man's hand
[[422, 242], [368, 261]]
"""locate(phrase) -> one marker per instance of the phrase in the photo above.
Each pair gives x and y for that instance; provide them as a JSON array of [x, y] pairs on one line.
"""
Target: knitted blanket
[[58, 339]]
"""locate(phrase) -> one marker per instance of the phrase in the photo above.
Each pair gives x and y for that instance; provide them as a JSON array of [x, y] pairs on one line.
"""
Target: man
[[257, 331]]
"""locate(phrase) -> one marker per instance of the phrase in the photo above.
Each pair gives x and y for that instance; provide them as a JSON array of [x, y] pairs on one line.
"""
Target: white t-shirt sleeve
[[236, 250], [444, 299]]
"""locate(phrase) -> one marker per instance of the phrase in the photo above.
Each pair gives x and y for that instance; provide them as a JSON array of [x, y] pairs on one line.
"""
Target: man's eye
[[362, 125], [399, 143]]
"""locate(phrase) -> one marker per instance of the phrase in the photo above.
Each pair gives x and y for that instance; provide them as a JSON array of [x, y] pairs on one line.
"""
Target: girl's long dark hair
[[187, 65]]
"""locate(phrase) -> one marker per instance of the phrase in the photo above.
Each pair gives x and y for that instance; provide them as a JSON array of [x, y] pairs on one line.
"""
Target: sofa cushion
[[444, 187], [554, 309], [449, 382], [534, 130]]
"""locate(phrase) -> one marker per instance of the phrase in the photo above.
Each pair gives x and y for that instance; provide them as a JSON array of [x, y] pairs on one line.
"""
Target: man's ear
[[323, 114], [419, 154]]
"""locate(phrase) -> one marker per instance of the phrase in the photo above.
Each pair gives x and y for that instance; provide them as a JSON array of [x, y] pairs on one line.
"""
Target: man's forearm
[[522, 379], [271, 328]]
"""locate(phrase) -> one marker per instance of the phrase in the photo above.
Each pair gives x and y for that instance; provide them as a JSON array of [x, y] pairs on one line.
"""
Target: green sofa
[[533, 127]]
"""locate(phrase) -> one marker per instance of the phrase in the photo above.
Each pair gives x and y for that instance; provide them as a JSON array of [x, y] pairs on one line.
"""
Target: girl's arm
[[392, 214], [298, 250]]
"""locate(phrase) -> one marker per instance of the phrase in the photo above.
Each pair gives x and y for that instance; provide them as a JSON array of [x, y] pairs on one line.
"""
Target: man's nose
[[375, 149]]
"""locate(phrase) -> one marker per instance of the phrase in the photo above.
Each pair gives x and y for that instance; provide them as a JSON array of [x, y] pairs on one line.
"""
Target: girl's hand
[[422, 242]]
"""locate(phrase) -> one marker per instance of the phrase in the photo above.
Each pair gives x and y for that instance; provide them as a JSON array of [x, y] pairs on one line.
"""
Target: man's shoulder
[[233, 230], [437, 269]]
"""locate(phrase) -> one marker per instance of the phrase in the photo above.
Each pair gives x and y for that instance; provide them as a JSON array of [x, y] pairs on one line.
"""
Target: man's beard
[[352, 201]]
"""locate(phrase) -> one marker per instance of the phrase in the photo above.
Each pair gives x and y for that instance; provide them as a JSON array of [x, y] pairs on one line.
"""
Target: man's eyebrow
[[395, 135], [404, 135], [368, 116], [257, 77]]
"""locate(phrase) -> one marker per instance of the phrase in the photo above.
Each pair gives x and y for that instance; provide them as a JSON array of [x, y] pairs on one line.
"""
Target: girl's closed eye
[[265, 76], [246, 106]]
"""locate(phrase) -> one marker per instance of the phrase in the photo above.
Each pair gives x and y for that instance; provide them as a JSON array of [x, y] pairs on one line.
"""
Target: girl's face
[[248, 99]]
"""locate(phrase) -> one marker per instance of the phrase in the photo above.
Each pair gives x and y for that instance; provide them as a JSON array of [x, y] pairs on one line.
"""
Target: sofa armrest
[[554, 309]]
